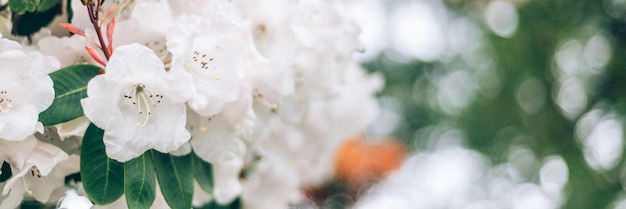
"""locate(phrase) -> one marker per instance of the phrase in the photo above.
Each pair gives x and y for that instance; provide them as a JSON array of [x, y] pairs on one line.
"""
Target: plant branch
[[94, 18]]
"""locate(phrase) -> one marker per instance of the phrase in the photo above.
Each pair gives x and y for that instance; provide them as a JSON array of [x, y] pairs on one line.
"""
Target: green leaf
[[70, 12], [203, 172], [236, 204], [22, 6], [5, 171], [31, 22], [139, 182], [175, 178], [70, 86], [102, 177], [45, 5]]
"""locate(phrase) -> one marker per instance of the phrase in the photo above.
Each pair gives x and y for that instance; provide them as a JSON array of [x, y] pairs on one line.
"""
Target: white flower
[[16, 152], [43, 171], [270, 21], [349, 112], [226, 179], [222, 137], [70, 145], [214, 49], [25, 91], [313, 38], [69, 50], [200, 197], [6, 44], [270, 84], [139, 105], [72, 200], [148, 24], [80, 16], [276, 173], [75, 127]]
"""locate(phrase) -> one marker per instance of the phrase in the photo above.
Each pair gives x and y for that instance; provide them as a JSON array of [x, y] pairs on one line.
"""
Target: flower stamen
[[203, 129], [5, 103], [258, 96], [34, 172], [143, 99], [30, 192], [203, 61]]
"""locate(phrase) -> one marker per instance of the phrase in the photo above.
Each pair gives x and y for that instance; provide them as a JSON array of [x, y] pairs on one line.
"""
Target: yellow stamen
[[30, 192]]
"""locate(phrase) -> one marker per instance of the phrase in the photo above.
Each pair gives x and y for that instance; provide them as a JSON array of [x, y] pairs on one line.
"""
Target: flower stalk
[[93, 9]]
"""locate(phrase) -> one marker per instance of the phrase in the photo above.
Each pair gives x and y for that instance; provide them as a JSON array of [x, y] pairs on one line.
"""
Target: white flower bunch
[[180, 103]]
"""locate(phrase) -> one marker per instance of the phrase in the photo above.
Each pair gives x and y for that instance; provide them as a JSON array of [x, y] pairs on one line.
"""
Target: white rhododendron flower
[[263, 91], [222, 137], [43, 171], [72, 200], [275, 173], [214, 49], [6, 44], [16, 152], [69, 50], [226, 179], [149, 25], [25, 91], [138, 104]]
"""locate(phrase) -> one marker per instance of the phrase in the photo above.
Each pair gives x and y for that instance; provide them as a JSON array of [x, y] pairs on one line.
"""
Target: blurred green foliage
[[529, 53]]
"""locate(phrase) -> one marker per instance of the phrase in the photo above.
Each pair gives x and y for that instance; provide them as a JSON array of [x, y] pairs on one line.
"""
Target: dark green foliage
[[70, 86], [103, 177]]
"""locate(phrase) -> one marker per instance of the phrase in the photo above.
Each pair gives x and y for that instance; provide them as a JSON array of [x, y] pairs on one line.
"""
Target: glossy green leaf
[[5, 172], [22, 6], [31, 22], [69, 11], [139, 182], [236, 204], [70, 86], [102, 177], [45, 5], [175, 178], [203, 172]]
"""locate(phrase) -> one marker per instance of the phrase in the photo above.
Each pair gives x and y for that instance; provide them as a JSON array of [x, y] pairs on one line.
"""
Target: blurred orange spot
[[360, 161]]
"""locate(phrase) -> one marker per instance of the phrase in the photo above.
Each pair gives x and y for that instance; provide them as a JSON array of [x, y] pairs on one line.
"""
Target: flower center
[[159, 48], [35, 173], [5, 103], [201, 63], [143, 101], [203, 127], [259, 97]]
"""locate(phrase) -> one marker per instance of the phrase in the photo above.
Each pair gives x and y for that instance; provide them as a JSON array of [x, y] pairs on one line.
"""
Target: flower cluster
[[264, 91]]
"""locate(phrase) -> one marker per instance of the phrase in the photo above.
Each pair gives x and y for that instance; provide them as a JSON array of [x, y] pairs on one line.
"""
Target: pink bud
[[92, 52]]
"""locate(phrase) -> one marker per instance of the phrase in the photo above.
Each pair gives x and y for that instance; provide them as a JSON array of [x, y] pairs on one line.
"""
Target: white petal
[[226, 179], [14, 199], [16, 152], [165, 132], [183, 150], [213, 139], [18, 123], [6, 45], [76, 127], [46, 156], [72, 200]]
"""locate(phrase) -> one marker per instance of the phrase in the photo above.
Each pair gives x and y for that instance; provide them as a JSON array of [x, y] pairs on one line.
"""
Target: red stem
[[93, 16]]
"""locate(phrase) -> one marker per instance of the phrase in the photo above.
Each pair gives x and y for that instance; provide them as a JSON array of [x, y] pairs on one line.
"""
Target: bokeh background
[[499, 104]]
